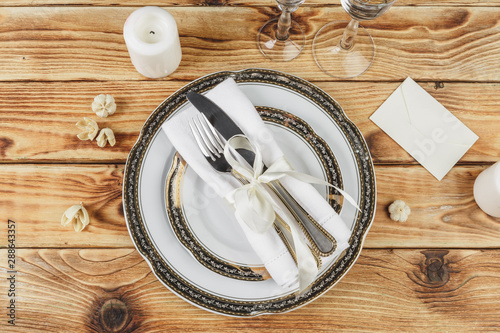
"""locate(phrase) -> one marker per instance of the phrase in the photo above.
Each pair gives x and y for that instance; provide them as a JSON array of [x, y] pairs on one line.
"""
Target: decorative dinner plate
[[148, 221], [214, 243]]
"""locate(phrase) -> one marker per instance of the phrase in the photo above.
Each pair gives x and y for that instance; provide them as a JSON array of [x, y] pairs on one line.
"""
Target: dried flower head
[[104, 105], [89, 128], [399, 211], [77, 216], [106, 135]]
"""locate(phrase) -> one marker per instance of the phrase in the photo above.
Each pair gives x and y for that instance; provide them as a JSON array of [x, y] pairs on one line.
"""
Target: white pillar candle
[[487, 190], [152, 41]]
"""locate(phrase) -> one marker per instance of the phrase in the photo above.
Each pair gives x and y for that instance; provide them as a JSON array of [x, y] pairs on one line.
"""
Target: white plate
[[148, 223], [211, 233]]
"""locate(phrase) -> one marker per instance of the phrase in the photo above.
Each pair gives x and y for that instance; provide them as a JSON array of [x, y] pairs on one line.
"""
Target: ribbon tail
[[313, 180], [306, 263], [281, 168], [347, 197]]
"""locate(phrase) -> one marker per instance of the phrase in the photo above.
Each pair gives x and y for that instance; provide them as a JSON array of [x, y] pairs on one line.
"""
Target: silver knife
[[322, 241]]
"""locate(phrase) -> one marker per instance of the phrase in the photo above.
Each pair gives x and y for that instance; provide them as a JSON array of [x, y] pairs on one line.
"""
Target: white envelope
[[430, 133]]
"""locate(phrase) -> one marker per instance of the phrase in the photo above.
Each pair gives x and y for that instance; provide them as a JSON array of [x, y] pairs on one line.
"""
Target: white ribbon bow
[[256, 206]]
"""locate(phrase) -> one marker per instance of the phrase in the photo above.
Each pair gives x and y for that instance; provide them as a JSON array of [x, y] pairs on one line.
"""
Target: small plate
[[213, 239], [148, 223]]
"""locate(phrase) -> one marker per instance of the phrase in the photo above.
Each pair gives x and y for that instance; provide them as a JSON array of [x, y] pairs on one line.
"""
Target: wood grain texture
[[439, 271], [444, 214], [36, 196], [38, 118], [86, 43], [75, 290], [140, 3]]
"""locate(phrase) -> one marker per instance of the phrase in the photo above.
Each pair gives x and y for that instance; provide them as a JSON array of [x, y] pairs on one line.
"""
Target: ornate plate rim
[[204, 299]]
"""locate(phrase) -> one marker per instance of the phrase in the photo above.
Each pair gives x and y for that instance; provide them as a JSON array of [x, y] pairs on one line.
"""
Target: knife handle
[[324, 243]]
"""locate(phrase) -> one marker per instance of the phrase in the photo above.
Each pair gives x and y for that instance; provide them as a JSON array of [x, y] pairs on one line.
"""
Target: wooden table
[[440, 271]]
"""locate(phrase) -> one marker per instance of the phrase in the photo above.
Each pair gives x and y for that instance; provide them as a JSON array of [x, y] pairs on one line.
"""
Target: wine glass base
[[338, 62], [280, 50]]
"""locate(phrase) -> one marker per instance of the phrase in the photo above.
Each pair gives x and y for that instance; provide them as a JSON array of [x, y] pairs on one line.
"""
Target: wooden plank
[[75, 290], [472, 104], [38, 118], [36, 196], [444, 214], [40, 124], [140, 3], [86, 43]]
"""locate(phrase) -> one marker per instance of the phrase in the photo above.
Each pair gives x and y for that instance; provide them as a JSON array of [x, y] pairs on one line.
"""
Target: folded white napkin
[[268, 246]]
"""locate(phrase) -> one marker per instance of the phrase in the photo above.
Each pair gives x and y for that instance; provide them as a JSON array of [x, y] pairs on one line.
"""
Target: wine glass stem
[[284, 23], [350, 33]]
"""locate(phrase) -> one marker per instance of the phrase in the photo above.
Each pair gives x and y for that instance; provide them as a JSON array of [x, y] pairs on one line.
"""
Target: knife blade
[[321, 240], [217, 117]]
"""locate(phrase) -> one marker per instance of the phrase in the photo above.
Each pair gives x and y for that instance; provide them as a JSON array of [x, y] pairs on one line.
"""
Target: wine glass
[[345, 49], [282, 39]]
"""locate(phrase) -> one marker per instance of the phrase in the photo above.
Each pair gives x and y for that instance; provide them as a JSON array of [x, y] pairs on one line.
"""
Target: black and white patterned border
[[212, 302]]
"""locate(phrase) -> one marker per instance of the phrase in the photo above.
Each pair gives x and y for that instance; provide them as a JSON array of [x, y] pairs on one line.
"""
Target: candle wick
[[152, 32]]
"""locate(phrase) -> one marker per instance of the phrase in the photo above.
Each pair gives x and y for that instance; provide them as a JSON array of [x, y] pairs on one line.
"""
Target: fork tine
[[210, 134], [206, 136], [215, 136], [201, 144]]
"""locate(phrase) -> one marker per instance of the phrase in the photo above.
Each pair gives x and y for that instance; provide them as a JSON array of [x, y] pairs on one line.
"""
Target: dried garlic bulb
[[106, 135], [76, 215], [104, 105], [89, 128], [399, 211]]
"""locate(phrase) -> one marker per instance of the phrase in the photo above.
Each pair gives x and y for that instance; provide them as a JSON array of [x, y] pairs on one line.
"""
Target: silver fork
[[212, 144]]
